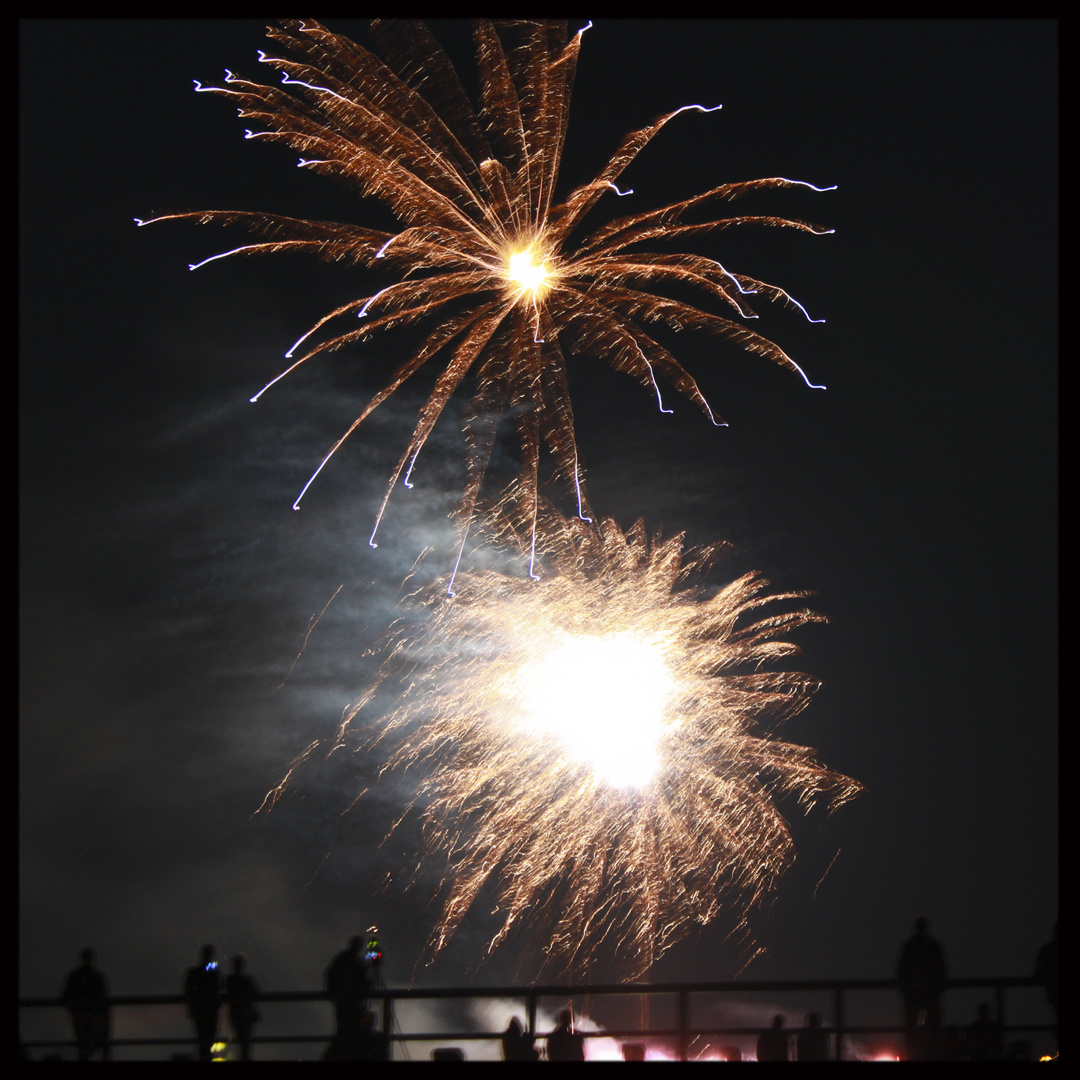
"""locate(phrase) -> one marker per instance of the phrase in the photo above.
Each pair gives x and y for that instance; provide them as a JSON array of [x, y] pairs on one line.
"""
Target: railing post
[[530, 1008], [684, 1021], [388, 1016], [839, 1021]]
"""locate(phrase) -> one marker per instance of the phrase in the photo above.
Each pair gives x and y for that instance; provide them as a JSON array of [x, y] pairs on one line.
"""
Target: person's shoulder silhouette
[[983, 1040], [517, 1044], [772, 1045], [202, 983], [347, 974], [812, 1043], [565, 1044], [1046, 968], [240, 987], [85, 987], [922, 960]]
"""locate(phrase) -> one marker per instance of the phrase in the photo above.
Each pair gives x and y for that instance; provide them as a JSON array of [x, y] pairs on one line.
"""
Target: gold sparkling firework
[[484, 245], [596, 749]]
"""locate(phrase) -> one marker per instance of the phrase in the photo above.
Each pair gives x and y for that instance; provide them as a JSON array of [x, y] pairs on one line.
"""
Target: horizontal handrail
[[564, 990], [681, 1036]]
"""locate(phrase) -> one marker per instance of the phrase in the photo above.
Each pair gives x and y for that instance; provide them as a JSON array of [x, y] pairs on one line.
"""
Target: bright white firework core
[[528, 272], [604, 698]]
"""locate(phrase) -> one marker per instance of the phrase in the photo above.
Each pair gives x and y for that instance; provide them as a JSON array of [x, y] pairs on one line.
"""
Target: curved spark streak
[[812, 187], [627, 866], [470, 184], [700, 108]]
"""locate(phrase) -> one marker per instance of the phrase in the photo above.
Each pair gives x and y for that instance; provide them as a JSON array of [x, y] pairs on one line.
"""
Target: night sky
[[166, 585]]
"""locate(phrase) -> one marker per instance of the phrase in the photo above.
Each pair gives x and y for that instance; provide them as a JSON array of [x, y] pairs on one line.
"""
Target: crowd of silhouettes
[[922, 976], [352, 975], [562, 1044]]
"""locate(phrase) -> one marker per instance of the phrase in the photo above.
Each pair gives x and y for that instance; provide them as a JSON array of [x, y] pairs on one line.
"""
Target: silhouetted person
[[517, 1045], [365, 1043], [202, 991], [921, 974], [772, 1045], [1046, 973], [87, 999], [812, 1043], [565, 1044], [242, 993], [347, 987], [983, 1039]]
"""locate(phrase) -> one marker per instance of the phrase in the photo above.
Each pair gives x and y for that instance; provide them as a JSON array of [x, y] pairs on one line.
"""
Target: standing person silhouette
[[812, 1043], [202, 991], [517, 1044], [347, 987], [772, 1045], [241, 991], [1046, 974], [565, 1044], [921, 973], [87, 999], [983, 1039]]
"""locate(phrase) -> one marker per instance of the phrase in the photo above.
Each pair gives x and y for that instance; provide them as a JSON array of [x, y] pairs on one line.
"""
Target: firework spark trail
[[483, 244], [610, 860], [314, 621]]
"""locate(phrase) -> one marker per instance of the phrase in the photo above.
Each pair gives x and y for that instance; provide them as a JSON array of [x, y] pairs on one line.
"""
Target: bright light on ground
[[604, 698]]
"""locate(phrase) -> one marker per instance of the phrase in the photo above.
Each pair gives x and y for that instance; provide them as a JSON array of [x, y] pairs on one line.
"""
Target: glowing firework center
[[529, 273], [604, 698], [589, 746]]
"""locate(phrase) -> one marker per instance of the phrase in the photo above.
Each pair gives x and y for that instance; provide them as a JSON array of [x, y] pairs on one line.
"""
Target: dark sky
[[166, 584]]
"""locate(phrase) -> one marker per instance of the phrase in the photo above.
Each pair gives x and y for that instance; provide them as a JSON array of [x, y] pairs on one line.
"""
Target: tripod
[[374, 957]]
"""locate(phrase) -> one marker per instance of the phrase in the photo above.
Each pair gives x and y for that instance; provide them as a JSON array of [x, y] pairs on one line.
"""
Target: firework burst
[[638, 799], [484, 245]]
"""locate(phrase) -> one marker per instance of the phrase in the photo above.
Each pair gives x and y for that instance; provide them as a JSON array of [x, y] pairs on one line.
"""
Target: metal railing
[[679, 1036]]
